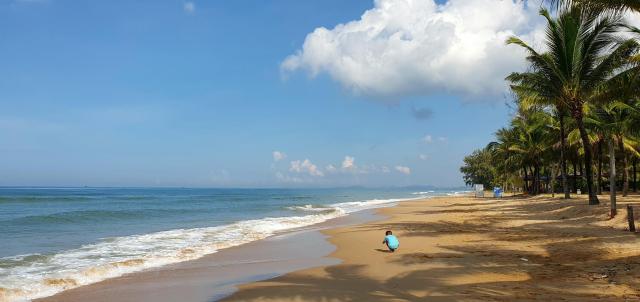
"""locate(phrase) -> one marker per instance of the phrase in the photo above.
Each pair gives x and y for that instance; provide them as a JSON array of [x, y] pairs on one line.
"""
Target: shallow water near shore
[[218, 275], [55, 239]]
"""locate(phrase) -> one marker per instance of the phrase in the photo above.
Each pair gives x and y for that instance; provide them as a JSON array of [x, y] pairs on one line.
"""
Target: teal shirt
[[392, 241]]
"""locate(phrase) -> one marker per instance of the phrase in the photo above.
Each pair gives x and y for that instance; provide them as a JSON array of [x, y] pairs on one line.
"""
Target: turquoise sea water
[[52, 239]]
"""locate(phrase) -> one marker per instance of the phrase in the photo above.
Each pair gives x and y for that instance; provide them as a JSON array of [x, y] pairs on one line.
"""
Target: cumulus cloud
[[416, 47], [403, 170], [348, 163], [423, 157], [305, 166], [348, 166], [189, 7], [278, 156]]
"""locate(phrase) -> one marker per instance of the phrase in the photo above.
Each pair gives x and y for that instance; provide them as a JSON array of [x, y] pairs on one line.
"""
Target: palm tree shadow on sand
[[562, 268]]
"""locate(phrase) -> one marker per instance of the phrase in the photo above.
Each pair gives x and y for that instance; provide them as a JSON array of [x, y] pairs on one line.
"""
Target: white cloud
[[407, 47], [278, 156], [423, 156], [189, 7], [348, 166], [305, 166], [428, 139], [403, 170], [385, 169], [348, 163]]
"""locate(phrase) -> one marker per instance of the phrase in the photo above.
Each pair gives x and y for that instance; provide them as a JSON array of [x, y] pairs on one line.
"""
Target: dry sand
[[467, 249]]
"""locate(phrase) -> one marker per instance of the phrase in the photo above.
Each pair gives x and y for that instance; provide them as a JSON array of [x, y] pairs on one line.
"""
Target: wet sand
[[217, 275], [467, 249], [452, 249]]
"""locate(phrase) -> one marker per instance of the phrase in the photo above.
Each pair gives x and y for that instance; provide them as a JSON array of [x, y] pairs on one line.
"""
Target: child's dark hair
[[388, 233]]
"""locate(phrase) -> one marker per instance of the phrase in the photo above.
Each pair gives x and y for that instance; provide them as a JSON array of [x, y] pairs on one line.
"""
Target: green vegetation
[[601, 4], [579, 96], [478, 169]]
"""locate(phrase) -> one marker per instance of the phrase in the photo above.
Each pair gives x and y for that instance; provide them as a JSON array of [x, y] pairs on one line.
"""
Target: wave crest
[[26, 277]]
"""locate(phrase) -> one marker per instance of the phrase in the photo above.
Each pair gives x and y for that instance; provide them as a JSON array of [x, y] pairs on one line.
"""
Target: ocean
[[52, 239]]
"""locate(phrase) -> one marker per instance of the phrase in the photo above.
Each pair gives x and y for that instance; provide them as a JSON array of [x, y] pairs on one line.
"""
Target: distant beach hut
[[479, 189]]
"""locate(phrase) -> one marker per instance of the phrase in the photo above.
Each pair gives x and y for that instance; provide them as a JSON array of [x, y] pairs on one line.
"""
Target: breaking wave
[[26, 277]]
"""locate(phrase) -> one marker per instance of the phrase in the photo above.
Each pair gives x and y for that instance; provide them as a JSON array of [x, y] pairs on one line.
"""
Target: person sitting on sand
[[391, 241]]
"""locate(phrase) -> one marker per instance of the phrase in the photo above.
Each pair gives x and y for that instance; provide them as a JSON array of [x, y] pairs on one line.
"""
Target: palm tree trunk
[[625, 167], [563, 161], [526, 180], [532, 185], [612, 176], [538, 183], [549, 173], [538, 176], [581, 172], [536, 179], [552, 179], [577, 112], [600, 185], [635, 175], [575, 176], [625, 170]]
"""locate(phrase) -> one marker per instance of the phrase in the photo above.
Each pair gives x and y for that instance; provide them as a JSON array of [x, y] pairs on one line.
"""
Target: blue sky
[[173, 93]]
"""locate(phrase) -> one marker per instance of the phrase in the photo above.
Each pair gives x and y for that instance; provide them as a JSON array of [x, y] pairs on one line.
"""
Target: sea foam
[[26, 277]]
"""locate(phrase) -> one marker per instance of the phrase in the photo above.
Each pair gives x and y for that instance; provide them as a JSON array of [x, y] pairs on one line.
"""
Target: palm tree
[[615, 5], [614, 121], [621, 119], [556, 136], [523, 145], [575, 145], [600, 140], [533, 90], [506, 161], [584, 52]]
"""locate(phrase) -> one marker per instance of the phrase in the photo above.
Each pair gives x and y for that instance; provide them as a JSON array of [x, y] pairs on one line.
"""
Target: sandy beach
[[200, 151], [467, 249], [452, 249]]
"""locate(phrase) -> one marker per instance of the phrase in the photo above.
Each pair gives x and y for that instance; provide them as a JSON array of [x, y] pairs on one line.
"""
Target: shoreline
[[109, 257], [217, 275], [469, 249], [452, 249]]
